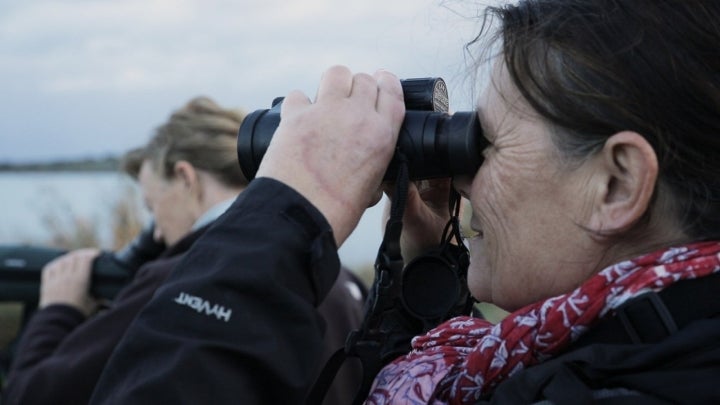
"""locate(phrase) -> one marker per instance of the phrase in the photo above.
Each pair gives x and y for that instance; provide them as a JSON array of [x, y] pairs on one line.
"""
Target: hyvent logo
[[203, 306]]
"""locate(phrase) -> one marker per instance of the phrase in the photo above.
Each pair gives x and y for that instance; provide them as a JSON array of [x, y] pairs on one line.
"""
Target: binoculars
[[21, 267], [434, 143]]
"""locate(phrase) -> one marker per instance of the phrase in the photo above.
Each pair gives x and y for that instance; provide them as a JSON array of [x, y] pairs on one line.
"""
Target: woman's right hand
[[335, 150]]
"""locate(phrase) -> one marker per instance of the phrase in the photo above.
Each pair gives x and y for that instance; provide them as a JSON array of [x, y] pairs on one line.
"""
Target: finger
[[336, 82], [435, 188], [294, 99], [390, 96], [365, 88], [80, 260], [80, 265], [435, 193]]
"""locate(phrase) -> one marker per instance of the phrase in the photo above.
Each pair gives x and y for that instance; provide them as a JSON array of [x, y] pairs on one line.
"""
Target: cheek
[[479, 272], [169, 216], [162, 223], [483, 250], [497, 204]]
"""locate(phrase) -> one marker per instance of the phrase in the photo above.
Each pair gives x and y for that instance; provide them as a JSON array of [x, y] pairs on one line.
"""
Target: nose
[[157, 234], [462, 185]]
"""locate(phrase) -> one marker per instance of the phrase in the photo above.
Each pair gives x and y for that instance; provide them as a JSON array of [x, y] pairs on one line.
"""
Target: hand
[[66, 280], [335, 151], [425, 217]]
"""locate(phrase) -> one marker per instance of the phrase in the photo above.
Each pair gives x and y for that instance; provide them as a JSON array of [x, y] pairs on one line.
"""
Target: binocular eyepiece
[[434, 143]]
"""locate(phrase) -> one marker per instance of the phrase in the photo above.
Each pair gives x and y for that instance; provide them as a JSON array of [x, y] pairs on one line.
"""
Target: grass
[[68, 231]]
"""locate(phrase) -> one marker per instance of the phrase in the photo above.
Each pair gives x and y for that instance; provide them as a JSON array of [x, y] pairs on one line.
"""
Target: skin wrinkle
[[523, 165], [325, 179], [564, 163]]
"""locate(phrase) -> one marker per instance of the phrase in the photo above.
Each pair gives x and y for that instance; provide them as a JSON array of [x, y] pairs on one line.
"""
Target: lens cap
[[430, 287]]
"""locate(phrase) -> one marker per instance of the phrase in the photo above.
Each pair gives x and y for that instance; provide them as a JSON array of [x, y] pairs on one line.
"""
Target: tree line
[[109, 163]]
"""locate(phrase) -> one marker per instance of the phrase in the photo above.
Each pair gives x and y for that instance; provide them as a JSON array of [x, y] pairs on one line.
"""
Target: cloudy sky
[[87, 78]]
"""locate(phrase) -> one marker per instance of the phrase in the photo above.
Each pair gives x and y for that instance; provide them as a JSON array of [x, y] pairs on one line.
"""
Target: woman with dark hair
[[596, 212]]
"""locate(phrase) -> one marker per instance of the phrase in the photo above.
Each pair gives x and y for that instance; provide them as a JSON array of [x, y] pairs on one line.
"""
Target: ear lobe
[[631, 171]]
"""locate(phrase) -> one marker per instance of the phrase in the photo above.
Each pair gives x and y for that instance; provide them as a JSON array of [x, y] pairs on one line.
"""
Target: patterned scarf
[[465, 357]]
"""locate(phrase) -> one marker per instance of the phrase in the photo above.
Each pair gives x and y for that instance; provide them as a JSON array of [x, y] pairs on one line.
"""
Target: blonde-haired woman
[[189, 175]]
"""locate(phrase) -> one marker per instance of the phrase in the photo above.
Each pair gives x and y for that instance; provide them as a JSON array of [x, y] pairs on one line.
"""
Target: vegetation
[[69, 232], [109, 163]]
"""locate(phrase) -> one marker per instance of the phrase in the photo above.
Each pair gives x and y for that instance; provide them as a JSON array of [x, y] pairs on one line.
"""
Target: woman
[[598, 192], [599, 189], [189, 175]]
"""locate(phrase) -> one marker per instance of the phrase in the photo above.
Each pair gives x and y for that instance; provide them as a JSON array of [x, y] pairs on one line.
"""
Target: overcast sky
[[87, 78]]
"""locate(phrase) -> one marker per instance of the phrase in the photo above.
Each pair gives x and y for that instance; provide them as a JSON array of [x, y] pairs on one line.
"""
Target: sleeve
[[43, 334], [64, 353], [236, 322]]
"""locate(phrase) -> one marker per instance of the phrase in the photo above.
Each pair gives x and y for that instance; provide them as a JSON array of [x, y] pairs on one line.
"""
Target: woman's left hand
[[426, 214]]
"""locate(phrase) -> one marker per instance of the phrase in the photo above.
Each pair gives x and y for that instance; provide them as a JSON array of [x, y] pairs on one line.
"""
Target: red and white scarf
[[466, 357]]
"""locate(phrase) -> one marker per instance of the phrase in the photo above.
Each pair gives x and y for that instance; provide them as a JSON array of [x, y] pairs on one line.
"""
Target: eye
[[489, 147]]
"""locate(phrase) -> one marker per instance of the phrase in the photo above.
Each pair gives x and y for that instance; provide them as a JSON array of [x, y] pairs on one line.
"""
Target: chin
[[478, 282]]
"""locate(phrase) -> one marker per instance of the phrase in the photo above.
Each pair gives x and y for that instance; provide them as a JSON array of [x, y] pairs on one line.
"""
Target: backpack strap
[[651, 317]]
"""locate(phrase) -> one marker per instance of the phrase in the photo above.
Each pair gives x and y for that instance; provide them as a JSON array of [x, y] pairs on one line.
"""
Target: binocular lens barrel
[[434, 144]]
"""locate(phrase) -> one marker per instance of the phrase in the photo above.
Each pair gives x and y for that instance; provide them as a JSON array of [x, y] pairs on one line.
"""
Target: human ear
[[629, 171], [185, 172]]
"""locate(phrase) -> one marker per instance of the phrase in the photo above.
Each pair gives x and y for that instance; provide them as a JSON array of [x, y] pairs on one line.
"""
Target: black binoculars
[[434, 143], [21, 267]]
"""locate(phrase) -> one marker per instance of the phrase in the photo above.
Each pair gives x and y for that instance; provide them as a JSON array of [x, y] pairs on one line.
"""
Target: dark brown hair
[[593, 68]]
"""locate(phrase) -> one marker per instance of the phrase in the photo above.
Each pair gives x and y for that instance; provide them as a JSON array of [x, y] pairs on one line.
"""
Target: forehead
[[501, 107], [148, 177]]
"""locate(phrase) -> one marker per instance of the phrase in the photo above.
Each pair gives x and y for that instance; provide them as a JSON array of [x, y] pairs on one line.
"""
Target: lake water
[[29, 199]]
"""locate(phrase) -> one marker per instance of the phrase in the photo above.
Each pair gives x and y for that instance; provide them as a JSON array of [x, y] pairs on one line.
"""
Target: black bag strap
[[652, 317]]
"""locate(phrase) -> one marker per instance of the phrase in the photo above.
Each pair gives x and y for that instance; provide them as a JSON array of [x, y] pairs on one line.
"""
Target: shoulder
[[674, 369]]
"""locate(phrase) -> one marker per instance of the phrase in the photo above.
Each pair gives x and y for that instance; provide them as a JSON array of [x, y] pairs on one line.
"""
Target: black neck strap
[[367, 343], [390, 321]]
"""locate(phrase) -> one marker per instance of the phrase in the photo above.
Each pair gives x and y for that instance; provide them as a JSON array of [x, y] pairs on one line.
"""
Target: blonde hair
[[201, 133]]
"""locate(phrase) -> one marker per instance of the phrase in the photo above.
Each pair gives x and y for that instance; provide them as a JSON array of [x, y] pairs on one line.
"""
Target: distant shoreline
[[108, 164]]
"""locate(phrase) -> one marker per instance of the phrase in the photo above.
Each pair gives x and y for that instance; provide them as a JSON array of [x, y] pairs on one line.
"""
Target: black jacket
[[657, 349], [61, 354], [682, 369], [236, 323]]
